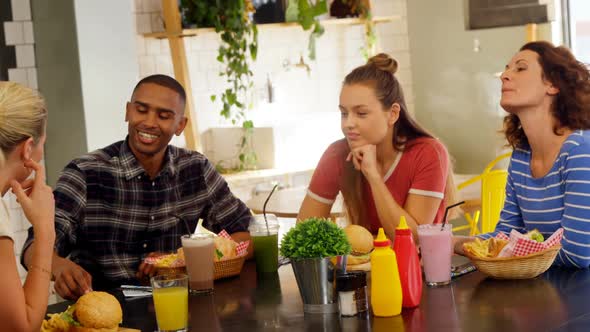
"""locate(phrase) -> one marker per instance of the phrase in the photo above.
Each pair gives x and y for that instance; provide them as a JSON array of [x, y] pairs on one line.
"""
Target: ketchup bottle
[[408, 264]]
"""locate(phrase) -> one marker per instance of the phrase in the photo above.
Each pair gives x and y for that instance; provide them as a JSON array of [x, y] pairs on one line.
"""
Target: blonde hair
[[379, 74], [23, 114]]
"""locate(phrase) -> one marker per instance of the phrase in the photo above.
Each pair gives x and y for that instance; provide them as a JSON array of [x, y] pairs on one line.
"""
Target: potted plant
[[305, 12], [239, 46], [310, 245], [362, 9]]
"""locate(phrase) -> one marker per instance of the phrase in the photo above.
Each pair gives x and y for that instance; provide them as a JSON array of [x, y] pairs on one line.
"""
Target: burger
[[94, 312], [361, 241]]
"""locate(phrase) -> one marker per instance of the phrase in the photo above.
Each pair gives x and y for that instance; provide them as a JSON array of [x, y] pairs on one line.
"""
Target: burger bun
[[98, 311], [360, 239], [354, 259], [359, 267]]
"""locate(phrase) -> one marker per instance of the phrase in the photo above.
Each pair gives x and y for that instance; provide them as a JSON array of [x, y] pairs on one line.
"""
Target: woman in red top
[[387, 166]]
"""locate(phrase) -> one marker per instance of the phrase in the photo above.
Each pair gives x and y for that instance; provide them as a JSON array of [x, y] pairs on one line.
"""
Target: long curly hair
[[571, 106]]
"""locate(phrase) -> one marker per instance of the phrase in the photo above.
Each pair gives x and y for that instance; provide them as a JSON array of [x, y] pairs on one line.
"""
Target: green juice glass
[[266, 243]]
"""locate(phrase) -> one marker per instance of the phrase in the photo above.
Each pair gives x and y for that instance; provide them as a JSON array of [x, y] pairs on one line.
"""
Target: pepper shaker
[[352, 293]]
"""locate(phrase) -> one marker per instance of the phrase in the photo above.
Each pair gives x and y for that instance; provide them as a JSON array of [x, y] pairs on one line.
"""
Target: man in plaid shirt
[[116, 205]]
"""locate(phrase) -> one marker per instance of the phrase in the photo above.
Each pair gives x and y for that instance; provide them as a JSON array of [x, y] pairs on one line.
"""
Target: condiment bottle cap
[[403, 224], [381, 240], [402, 227]]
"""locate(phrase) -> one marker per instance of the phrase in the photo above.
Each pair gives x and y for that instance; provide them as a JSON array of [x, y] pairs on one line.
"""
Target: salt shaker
[[352, 293]]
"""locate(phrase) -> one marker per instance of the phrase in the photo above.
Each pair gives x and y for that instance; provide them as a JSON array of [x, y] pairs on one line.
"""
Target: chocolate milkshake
[[198, 252]]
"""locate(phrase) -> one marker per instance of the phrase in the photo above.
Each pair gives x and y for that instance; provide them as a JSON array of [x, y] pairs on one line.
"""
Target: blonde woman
[[22, 134], [387, 165]]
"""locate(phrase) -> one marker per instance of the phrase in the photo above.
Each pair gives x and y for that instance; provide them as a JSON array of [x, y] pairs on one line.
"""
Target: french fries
[[489, 248]]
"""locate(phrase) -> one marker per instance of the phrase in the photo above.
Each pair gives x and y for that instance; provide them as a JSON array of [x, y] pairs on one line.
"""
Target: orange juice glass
[[170, 293]]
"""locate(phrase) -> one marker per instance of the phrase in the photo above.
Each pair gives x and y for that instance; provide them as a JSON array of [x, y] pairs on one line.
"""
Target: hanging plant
[[305, 12], [362, 9], [370, 48], [239, 45]]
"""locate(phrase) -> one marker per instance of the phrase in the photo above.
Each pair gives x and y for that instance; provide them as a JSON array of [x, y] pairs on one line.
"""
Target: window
[[579, 28]]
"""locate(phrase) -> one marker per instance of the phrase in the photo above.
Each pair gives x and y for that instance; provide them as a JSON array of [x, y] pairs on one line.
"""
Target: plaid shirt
[[110, 214]]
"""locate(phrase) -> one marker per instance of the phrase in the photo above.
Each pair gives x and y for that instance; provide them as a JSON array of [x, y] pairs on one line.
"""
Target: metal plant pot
[[317, 284]]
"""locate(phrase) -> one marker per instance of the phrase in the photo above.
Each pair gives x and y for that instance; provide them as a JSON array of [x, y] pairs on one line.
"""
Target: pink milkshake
[[436, 247]]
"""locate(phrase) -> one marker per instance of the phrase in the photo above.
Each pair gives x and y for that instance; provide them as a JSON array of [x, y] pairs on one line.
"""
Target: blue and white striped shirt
[[561, 198]]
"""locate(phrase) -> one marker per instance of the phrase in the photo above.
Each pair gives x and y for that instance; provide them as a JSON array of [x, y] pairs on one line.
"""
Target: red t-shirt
[[420, 169]]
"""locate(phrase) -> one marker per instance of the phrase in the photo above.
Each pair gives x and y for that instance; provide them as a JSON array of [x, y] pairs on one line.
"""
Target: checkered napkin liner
[[241, 250], [519, 245]]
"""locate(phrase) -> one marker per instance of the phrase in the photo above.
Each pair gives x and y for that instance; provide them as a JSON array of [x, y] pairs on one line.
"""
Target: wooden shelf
[[328, 22]]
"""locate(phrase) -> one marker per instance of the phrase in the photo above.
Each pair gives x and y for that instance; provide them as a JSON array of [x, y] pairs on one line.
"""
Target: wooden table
[[286, 202], [556, 300]]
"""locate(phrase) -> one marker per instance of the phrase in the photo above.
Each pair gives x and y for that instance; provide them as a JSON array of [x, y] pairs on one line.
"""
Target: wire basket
[[518, 267], [223, 269], [229, 268]]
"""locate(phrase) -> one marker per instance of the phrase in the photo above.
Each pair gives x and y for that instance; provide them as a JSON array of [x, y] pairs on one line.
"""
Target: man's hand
[[147, 270], [71, 280]]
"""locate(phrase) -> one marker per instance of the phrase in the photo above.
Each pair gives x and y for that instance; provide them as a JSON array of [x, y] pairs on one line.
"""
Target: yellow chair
[[493, 194]]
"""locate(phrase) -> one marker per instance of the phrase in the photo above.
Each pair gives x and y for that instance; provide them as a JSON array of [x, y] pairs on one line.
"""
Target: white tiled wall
[[19, 33]]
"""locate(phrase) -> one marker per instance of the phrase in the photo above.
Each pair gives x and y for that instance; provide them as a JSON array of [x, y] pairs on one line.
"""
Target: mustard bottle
[[386, 290]]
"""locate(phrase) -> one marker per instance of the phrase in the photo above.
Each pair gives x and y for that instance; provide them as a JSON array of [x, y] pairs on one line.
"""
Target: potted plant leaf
[[306, 13], [237, 50], [310, 245], [362, 9]]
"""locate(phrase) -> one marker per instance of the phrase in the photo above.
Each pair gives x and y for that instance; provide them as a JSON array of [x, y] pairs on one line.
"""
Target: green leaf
[[238, 47], [218, 253], [248, 124], [68, 316], [306, 16], [321, 7], [292, 12]]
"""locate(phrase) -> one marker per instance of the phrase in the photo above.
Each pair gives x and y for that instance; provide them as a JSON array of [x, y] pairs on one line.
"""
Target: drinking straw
[[264, 207], [447, 212], [188, 229]]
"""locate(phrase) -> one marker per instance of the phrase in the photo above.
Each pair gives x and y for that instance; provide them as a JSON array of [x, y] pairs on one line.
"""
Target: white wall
[[108, 66]]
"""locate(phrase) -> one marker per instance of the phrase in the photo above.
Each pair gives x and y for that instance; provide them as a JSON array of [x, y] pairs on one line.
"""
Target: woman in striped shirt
[[546, 92]]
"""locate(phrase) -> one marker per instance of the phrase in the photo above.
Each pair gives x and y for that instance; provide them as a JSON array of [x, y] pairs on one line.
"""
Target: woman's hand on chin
[[364, 159]]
